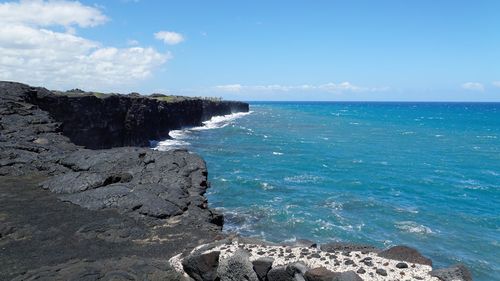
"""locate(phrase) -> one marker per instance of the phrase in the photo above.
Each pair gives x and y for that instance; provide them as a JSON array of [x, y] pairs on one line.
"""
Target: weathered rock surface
[[102, 204], [405, 253], [109, 269], [262, 266], [132, 120], [202, 267]]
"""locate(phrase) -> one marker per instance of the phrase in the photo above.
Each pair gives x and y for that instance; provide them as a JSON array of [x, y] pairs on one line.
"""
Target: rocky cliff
[[130, 213], [125, 206], [125, 120]]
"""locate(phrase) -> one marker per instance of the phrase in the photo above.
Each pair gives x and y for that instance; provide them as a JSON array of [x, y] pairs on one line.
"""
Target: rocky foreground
[[70, 212]]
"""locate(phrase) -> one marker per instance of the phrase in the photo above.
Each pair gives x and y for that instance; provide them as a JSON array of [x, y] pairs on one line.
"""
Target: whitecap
[[217, 122], [408, 133], [302, 179], [413, 227], [266, 186], [170, 144], [492, 173], [178, 134], [277, 153]]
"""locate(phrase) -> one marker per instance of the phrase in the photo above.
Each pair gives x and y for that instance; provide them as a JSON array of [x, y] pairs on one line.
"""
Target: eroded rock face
[[135, 201], [109, 269], [132, 120], [136, 181]]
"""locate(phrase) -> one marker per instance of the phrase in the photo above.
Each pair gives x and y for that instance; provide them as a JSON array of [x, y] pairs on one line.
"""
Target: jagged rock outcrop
[[114, 203]]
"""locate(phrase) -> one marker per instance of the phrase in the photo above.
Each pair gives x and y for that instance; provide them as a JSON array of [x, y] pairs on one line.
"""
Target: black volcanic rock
[[457, 272], [136, 202], [202, 267], [109, 269], [125, 120], [405, 253], [262, 266]]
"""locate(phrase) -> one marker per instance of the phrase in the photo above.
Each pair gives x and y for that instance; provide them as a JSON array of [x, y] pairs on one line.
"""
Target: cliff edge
[[126, 207]]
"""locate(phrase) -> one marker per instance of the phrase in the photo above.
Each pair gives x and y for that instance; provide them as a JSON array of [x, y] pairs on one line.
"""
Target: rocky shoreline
[[83, 198]]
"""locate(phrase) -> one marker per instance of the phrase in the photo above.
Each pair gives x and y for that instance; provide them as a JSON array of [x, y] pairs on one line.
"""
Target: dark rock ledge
[[124, 213], [140, 206]]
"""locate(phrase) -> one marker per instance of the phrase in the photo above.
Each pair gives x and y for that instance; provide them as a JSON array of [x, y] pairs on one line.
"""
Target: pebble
[[361, 271], [348, 262], [402, 265], [381, 271]]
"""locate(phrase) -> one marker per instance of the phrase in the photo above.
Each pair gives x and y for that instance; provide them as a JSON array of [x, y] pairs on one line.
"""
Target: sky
[[373, 50]]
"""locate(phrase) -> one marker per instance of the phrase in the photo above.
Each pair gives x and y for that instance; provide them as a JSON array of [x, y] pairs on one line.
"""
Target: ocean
[[425, 175]]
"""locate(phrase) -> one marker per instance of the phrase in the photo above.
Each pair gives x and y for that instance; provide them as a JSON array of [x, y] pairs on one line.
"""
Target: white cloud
[[169, 37], [232, 88], [328, 87], [40, 56], [132, 42], [50, 13], [473, 86], [496, 84]]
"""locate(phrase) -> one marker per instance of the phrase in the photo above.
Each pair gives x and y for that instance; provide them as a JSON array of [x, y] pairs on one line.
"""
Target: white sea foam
[[277, 153], [303, 179], [217, 122], [178, 137], [170, 144], [266, 186], [413, 227], [178, 134]]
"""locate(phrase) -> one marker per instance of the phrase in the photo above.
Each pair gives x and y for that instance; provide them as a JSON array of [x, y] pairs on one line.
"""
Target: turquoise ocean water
[[421, 174]]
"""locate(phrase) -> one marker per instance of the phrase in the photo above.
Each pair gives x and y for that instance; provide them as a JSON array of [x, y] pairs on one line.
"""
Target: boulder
[[237, 267], [262, 266], [455, 273], [202, 267], [404, 253]]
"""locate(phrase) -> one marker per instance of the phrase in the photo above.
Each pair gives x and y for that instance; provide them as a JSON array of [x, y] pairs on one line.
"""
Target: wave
[[303, 179], [413, 227], [170, 144], [178, 136], [218, 122]]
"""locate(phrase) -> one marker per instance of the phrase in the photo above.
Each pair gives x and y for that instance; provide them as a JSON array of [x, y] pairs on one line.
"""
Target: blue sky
[[285, 50]]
